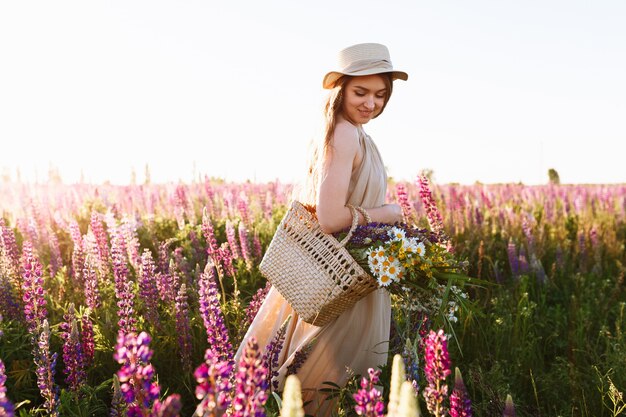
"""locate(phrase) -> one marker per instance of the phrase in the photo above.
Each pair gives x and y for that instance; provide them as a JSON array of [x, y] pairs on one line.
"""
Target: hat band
[[367, 64]]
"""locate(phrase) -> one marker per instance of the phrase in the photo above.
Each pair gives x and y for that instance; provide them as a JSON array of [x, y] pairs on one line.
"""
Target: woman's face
[[364, 98]]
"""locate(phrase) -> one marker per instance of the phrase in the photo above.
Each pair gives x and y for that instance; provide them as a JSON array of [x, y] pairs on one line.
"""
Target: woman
[[346, 168]]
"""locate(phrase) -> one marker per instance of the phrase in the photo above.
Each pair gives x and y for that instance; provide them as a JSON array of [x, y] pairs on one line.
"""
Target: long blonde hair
[[333, 107]]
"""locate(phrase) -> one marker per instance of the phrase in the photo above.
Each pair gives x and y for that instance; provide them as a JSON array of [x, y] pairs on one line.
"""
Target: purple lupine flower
[[227, 260], [123, 286], [212, 317], [271, 355], [129, 229], [368, 399], [148, 291], [118, 405], [436, 370], [45, 362], [87, 339], [170, 407], [8, 303], [244, 240], [244, 208], [32, 285], [231, 237], [511, 251], [509, 408], [403, 199], [213, 250], [56, 261], [183, 327], [256, 302], [460, 404], [299, 358], [214, 384], [102, 243], [90, 280], [256, 245], [523, 265], [432, 212], [73, 355], [250, 392], [138, 390], [8, 247], [6, 406], [78, 253]]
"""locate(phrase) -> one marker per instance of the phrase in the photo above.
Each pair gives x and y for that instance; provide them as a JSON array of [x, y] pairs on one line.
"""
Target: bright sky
[[498, 91]]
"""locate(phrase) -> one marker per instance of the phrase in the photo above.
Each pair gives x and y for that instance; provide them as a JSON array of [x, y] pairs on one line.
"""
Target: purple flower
[[271, 356], [170, 407], [8, 247], [436, 369], [231, 237], [244, 209], [148, 290], [73, 355], [6, 406], [55, 253], [8, 302], [87, 339], [369, 399], [214, 384], [460, 404], [78, 254], [511, 251], [137, 388], [256, 245], [123, 286], [432, 212], [509, 408], [250, 383], [403, 199], [213, 250], [102, 244], [32, 285], [182, 326], [256, 302], [212, 317], [45, 362], [299, 358], [244, 240]]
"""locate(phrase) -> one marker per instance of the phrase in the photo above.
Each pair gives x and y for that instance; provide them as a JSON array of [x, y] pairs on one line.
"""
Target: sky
[[498, 91]]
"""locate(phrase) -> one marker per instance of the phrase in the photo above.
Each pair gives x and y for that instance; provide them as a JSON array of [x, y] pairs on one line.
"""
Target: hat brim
[[331, 78]]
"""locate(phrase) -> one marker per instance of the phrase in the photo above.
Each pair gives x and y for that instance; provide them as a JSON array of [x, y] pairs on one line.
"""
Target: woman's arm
[[343, 154]]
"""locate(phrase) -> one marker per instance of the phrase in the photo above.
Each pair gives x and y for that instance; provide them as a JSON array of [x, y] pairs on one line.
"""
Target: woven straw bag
[[312, 270]]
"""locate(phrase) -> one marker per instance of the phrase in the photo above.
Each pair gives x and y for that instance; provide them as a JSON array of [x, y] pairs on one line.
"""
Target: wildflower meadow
[[132, 300]]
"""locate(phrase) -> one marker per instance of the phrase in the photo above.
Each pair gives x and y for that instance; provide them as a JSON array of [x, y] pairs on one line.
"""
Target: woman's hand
[[393, 213]]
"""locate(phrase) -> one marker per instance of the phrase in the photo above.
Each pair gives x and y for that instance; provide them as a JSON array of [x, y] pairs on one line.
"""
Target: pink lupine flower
[[148, 290], [32, 285], [123, 285], [90, 279], [55, 254], [87, 339], [403, 199], [256, 302], [460, 404], [435, 220], [214, 384], [250, 383], [256, 245], [73, 355], [183, 327], [436, 369], [136, 374], [102, 243], [369, 399], [45, 362], [244, 241], [78, 253], [244, 208], [231, 237]]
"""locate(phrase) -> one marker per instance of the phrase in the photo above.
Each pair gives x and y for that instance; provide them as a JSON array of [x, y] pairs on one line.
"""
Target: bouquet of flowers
[[413, 264]]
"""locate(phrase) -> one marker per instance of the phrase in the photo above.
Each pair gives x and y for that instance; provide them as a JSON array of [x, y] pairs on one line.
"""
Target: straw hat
[[363, 59]]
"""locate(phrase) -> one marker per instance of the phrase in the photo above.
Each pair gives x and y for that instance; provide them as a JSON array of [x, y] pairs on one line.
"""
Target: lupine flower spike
[[509, 408], [250, 383], [397, 378], [214, 386], [460, 404], [45, 361], [292, 398], [369, 399], [436, 368], [6, 406]]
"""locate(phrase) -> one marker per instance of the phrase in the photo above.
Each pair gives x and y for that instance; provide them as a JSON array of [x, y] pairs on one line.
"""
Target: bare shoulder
[[346, 136]]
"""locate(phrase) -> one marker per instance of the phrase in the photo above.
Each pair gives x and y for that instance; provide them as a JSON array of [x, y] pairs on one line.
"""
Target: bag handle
[[355, 223], [364, 213]]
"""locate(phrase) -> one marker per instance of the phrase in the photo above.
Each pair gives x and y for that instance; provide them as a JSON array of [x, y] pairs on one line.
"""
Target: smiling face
[[364, 98]]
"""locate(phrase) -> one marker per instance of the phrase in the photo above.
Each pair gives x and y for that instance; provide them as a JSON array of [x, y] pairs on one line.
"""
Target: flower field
[[131, 300]]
